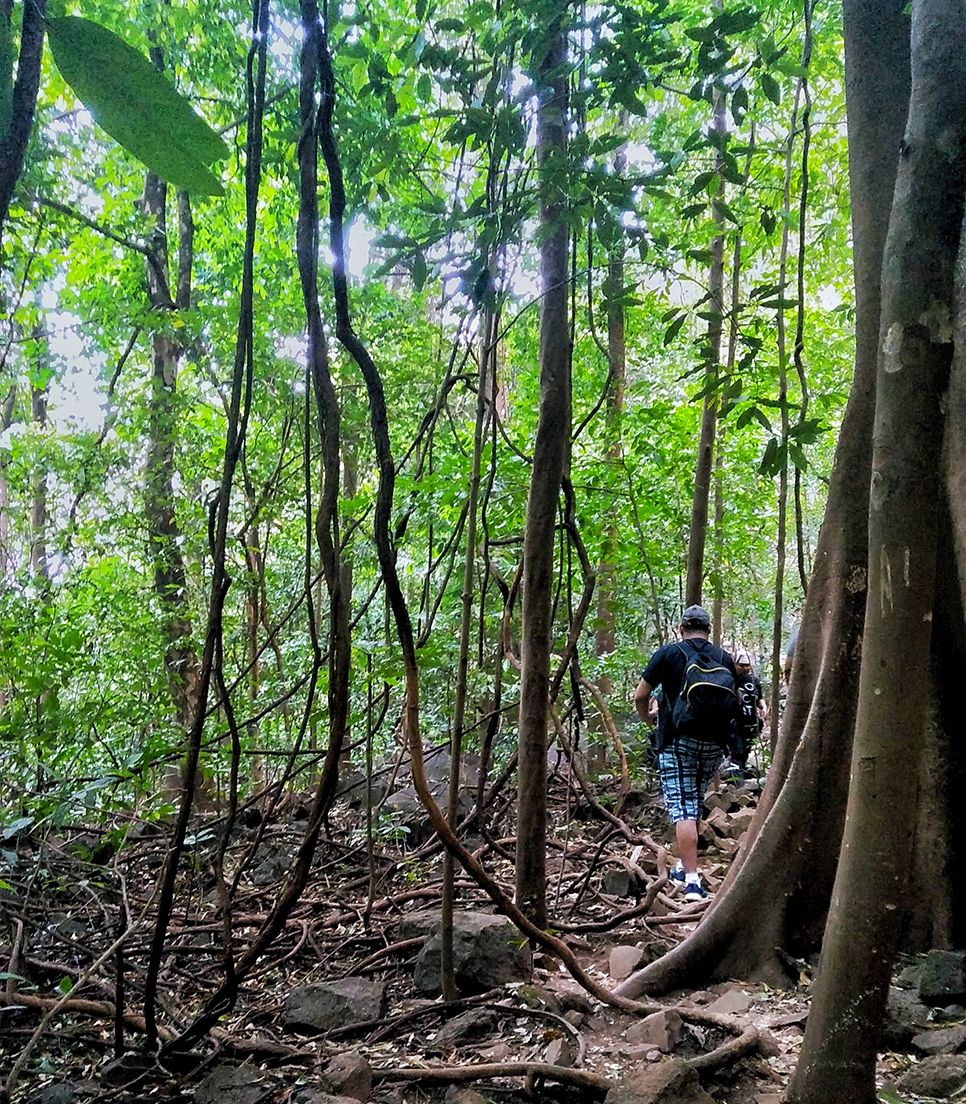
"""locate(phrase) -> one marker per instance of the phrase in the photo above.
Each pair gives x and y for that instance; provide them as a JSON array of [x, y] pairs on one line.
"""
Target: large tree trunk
[[869, 901], [798, 827], [549, 454]]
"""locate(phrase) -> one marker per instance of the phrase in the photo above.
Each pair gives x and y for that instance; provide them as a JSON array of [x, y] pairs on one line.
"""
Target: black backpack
[[708, 700]]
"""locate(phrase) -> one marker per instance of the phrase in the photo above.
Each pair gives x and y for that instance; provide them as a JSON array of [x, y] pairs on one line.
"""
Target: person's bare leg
[[686, 834]]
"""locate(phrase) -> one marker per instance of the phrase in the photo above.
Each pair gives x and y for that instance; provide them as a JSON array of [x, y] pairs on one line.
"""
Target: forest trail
[[345, 1002]]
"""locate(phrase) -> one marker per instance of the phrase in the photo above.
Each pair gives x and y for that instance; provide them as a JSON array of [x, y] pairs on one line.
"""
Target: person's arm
[[642, 702], [762, 704]]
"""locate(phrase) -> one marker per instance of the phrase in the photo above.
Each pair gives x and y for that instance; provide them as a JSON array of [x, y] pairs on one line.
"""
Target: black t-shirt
[[749, 695], [666, 669]]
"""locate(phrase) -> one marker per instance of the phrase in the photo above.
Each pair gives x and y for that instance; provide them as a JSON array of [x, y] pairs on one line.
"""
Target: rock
[[943, 978], [334, 1004], [671, 1082], [575, 1000], [488, 951], [945, 1040], [533, 996], [624, 961], [702, 996], [307, 1095], [616, 882], [910, 977], [129, 1067], [740, 822], [729, 846], [459, 1094], [498, 1052], [906, 1016], [559, 1053], [232, 1085], [476, 1023], [731, 1003], [348, 1074], [58, 1092], [719, 821], [276, 860], [575, 1018], [952, 1012], [661, 1030], [939, 1076]]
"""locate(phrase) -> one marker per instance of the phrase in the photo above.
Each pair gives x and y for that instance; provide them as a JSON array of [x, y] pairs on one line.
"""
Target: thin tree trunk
[[164, 532], [617, 372], [698, 532], [13, 145], [549, 457], [39, 567], [869, 903]]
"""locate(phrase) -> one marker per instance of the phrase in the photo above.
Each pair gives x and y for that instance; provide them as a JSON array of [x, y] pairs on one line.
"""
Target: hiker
[[790, 653], [752, 713], [695, 723]]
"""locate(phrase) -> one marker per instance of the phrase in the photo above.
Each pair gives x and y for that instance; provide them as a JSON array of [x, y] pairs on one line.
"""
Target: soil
[[61, 895]]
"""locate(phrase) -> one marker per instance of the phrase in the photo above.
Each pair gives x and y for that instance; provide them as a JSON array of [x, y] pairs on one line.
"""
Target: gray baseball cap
[[695, 617]]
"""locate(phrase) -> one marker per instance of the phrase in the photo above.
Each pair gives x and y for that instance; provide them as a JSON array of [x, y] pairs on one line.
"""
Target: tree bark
[[549, 455], [698, 532], [617, 374], [797, 829], [869, 902], [13, 145]]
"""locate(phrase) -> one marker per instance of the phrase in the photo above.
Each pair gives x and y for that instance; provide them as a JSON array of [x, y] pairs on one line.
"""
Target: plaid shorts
[[686, 768]]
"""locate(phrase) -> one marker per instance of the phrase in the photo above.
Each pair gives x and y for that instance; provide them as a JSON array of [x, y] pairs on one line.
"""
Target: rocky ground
[[346, 1006]]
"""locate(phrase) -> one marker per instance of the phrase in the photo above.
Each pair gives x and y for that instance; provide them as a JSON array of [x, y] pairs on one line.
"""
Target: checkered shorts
[[686, 767]]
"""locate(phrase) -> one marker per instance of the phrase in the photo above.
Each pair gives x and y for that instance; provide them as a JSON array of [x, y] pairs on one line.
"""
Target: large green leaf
[[136, 104], [6, 74]]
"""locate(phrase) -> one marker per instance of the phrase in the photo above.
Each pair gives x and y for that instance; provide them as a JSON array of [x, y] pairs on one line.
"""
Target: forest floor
[[365, 915]]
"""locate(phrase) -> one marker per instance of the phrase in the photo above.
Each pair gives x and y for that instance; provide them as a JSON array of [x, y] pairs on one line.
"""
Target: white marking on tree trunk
[[905, 567], [892, 348], [885, 582]]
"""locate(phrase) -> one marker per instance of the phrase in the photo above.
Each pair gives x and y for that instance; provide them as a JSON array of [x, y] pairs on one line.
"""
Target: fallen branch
[[442, 1075]]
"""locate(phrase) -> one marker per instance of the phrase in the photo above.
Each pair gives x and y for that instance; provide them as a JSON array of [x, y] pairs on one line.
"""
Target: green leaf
[[136, 104], [6, 74], [739, 104], [672, 331], [420, 270], [771, 88], [768, 220]]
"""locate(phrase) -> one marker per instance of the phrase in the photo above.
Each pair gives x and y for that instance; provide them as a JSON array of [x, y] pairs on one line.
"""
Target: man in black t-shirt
[[686, 758], [752, 710]]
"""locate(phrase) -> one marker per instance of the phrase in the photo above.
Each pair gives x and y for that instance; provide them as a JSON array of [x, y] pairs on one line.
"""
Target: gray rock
[[348, 1074], [334, 1004], [488, 951], [906, 1016], [661, 1029], [58, 1092], [475, 1023], [952, 1012], [731, 1003], [943, 978], [232, 1085], [575, 1000], [938, 1077], [559, 1052], [126, 1069], [670, 1082], [624, 961], [944, 1040], [305, 1094], [460, 1094], [616, 882], [909, 977]]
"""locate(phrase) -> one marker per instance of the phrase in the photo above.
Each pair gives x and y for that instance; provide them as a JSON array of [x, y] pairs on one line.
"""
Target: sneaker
[[676, 875], [695, 891]]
